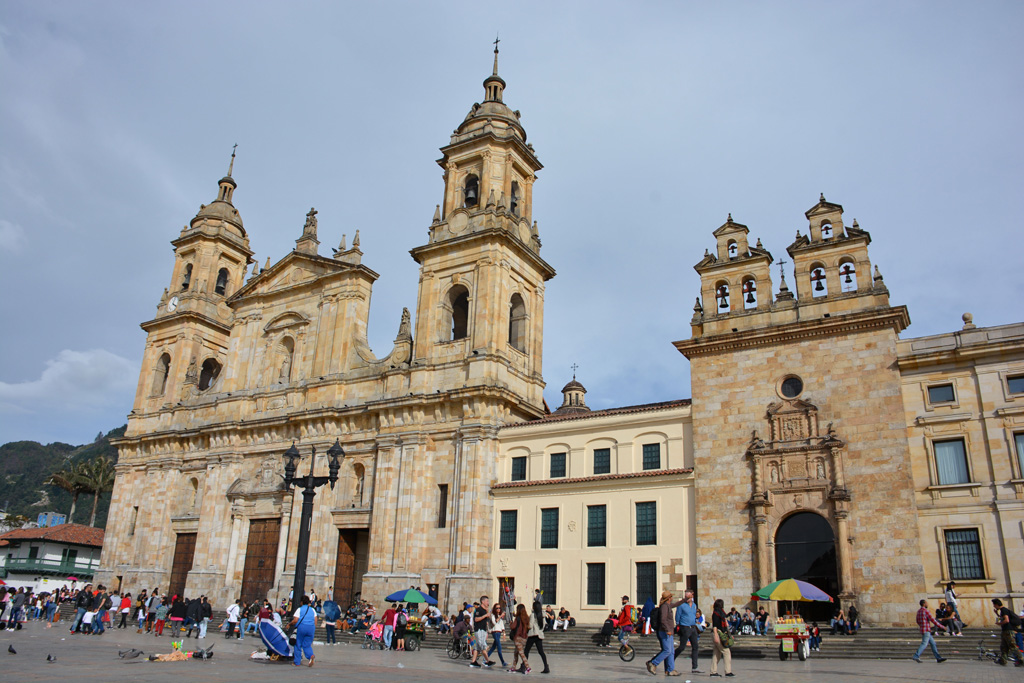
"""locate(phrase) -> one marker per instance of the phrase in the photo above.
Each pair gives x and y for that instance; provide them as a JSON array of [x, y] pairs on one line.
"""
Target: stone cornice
[[183, 316], [487, 234], [897, 318]]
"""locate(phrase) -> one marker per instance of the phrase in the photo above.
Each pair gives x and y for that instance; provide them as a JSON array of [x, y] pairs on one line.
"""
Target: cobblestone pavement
[[94, 658]]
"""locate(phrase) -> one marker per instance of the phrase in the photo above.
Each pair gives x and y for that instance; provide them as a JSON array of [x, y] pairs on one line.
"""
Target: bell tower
[[188, 339], [481, 291]]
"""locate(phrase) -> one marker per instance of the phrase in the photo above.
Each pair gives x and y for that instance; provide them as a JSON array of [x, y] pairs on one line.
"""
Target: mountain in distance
[[25, 465]]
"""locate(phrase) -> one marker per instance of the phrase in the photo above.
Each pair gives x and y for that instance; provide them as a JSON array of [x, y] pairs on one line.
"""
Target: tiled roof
[[625, 410], [599, 477], [76, 534]]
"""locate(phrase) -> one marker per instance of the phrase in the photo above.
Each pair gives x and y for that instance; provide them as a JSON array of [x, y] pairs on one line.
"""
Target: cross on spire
[[782, 271], [496, 41], [574, 368], [231, 166]]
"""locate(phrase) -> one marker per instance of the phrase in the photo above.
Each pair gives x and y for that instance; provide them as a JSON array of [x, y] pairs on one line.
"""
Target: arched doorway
[[805, 549]]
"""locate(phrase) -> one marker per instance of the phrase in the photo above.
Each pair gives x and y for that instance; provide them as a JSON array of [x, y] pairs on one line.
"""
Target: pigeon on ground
[[205, 654], [129, 654], [51, 659], [11, 650], [153, 658]]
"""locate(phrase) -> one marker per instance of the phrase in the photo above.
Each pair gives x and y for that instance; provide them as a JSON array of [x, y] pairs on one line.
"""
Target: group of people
[[525, 628], [683, 618], [749, 623]]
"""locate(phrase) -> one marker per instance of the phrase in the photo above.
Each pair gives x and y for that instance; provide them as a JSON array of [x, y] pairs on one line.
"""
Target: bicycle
[[983, 654], [626, 651]]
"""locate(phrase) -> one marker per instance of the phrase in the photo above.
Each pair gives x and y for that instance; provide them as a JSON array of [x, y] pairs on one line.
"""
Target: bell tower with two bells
[[791, 395]]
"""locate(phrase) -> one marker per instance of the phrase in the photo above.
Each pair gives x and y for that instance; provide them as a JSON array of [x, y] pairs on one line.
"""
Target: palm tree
[[71, 480], [97, 478]]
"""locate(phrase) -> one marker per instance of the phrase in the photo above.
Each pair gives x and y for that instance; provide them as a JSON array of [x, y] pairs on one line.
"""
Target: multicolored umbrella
[[410, 595], [792, 589]]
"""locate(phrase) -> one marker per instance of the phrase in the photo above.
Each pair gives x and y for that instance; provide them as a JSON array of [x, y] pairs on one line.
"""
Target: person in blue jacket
[[304, 621]]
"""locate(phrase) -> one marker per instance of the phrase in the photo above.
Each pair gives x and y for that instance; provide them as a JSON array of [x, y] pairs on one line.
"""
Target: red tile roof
[[599, 477], [75, 534], [625, 410]]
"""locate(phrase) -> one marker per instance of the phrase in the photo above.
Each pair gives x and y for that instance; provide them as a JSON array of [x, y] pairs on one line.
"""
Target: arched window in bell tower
[[209, 373], [517, 323], [458, 304], [161, 373], [187, 279], [819, 286], [222, 281], [514, 201], [472, 191], [847, 275], [826, 231], [733, 249], [749, 293], [722, 296]]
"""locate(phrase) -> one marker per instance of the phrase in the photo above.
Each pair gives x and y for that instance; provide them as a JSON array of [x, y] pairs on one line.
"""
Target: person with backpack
[[401, 621], [627, 619], [304, 622], [1009, 623]]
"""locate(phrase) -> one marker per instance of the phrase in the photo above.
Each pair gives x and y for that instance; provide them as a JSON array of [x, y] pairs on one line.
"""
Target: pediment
[[285, 321], [294, 269]]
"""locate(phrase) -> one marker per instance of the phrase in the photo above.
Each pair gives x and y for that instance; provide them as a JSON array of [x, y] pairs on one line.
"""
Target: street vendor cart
[[793, 637], [791, 630], [415, 630]]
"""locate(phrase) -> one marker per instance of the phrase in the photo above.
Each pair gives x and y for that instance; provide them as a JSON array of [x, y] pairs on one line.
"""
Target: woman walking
[[177, 615], [536, 636], [497, 629], [125, 608], [304, 621], [719, 626], [520, 631]]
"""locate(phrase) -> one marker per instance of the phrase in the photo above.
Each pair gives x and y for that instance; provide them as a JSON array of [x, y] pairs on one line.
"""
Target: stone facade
[[797, 407], [234, 371]]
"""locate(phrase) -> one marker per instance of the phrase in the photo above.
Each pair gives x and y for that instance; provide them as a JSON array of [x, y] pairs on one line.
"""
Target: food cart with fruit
[[790, 630]]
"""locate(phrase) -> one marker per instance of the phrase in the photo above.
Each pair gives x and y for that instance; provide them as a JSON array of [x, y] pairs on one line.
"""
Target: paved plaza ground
[[88, 658]]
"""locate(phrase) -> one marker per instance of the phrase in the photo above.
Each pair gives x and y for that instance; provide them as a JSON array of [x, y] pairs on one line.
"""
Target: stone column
[[761, 523], [236, 528], [282, 539], [845, 550]]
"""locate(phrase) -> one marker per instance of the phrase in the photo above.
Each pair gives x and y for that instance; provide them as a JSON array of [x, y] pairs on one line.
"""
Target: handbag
[[727, 639]]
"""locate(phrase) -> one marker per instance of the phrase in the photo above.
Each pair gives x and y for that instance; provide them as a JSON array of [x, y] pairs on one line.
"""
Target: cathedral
[[817, 443]]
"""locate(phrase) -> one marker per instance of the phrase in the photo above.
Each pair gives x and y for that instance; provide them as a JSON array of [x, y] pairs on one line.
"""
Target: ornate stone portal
[[798, 469]]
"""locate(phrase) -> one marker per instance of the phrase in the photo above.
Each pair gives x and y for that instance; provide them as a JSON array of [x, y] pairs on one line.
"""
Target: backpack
[[1015, 622], [402, 619]]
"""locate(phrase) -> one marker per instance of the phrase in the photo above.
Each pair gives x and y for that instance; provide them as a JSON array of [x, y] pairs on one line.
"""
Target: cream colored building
[[592, 505], [963, 393]]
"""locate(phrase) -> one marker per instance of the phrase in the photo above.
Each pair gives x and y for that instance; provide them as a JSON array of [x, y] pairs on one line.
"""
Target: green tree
[[72, 479], [97, 478]]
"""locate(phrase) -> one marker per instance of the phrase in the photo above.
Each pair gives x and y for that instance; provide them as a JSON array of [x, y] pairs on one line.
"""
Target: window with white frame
[[963, 554], [951, 462]]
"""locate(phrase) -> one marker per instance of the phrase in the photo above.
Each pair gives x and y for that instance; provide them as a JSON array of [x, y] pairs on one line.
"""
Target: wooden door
[[260, 559], [181, 565], [345, 567]]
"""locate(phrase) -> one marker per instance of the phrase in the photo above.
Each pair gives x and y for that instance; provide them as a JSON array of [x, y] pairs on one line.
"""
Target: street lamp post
[[309, 485]]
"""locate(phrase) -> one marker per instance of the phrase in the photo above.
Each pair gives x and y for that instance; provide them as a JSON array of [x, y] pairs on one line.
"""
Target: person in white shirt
[[233, 615]]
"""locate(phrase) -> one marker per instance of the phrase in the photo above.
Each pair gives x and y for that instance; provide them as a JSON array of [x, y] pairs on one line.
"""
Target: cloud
[[73, 381], [12, 236]]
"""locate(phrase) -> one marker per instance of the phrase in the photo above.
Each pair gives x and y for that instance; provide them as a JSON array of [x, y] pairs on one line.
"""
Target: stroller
[[374, 637]]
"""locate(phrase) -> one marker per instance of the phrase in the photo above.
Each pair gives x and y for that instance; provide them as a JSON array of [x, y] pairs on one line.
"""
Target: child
[[161, 616], [815, 640], [87, 622]]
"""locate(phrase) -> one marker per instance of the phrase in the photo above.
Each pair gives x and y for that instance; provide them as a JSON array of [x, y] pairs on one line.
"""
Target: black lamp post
[[309, 485]]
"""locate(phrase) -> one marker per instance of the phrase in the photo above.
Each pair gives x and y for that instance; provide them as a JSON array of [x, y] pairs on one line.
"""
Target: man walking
[[481, 618], [1008, 622], [207, 615], [234, 614], [83, 602], [925, 621], [686, 627], [389, 618]]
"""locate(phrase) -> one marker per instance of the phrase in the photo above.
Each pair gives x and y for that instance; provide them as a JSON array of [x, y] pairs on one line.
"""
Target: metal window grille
[[602, 461], [549, 583], [646, 581], [549, 528], [595, 583], [652, 456], [646, 524], [519, 468], [963, 551], [557, 465], [509, 526], [597, 525]]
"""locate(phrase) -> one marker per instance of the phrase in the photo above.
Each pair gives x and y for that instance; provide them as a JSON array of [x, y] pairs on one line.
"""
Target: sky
[[654, 120]]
